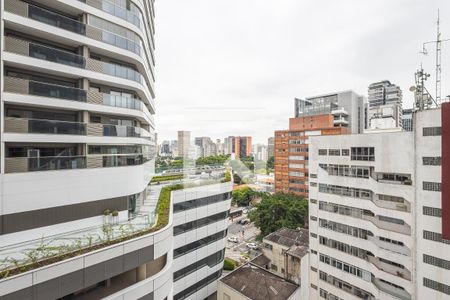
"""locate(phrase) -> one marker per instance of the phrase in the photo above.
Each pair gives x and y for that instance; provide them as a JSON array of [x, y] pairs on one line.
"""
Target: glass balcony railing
[[56, 91], [44, 126], [43, 163], [121, 71], [124, 102], [123, 131], [121, 42], [57, 56], [123, 160], [55, 19]]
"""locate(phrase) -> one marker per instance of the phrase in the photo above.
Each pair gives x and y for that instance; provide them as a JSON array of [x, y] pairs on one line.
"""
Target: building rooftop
[[290, 237], [259, 284]]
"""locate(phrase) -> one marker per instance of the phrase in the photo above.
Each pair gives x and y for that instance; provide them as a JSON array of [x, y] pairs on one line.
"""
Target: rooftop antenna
[[437, 99]]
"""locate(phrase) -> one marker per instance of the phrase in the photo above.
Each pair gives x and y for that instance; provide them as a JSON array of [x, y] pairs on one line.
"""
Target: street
[[245, 234]]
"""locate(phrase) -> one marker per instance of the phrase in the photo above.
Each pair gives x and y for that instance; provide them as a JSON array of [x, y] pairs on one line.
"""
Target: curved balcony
[[53, 163], [43, 89], [22, 125], [117, 11]]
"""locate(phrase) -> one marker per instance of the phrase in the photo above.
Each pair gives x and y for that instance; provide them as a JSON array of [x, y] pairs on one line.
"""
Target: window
[[345, 191], [443, 288], [432, 161], [348, 268], [432, 211], [199, 223], [334, 152], [434, 236], [313, 218], [314, 286], [313, 251], [312, 184], [431, 131], [395, 242], [313, 235], [313, 269], [296, 157], [177, 207], [432, 186], [345, 152], [296, 166], [313, 175], [391, 220], [391, 198], [363, 153], [297, 174], [313, 201], [435, 261], [323, 151]]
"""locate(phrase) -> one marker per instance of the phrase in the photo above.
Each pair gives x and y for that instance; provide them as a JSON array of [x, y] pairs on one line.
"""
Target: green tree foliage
[[279, 210], [271, 163], [228, 264], [212, 160], [242, 197]]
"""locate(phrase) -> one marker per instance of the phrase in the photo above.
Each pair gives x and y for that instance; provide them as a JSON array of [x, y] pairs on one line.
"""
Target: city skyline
[[272, 46]]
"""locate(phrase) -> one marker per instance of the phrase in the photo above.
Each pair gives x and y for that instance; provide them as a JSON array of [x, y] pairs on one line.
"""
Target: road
[[245, 234]]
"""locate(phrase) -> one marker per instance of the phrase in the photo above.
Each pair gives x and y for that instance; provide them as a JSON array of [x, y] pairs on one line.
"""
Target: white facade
[[367, 218]]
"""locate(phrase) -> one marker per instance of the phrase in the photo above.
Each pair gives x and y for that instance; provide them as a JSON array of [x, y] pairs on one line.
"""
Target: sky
[[234, 67]]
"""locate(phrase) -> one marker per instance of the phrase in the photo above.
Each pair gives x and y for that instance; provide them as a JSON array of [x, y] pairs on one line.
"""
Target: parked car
[[233, 239], [243, 221], [253, 246]]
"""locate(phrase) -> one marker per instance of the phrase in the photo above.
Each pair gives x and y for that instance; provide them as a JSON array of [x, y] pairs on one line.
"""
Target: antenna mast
[[438, 63]]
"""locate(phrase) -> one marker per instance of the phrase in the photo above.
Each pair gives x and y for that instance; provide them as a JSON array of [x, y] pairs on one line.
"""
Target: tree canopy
[[279, 210], [243, 196]]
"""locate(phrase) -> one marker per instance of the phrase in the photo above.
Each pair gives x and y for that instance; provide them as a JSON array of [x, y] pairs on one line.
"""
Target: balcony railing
[[115, 10], [391, 269], [55, 19], [36, 88], [22, 125], [391, 290], [43, 163]]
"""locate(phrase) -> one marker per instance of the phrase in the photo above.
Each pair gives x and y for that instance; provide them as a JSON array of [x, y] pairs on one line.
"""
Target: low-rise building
[[253, 282]]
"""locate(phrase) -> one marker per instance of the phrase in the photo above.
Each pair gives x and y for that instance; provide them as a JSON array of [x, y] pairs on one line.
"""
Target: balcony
[[390, 226], [392, 178], [42, 89], [116, 10], [98, 129], [391, 289], [22, 125], [389, 268], [54, 19], [47, 53], [44, 163]]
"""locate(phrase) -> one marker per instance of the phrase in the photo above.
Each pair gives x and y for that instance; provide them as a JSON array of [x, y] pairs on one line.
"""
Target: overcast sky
[[234, 67]]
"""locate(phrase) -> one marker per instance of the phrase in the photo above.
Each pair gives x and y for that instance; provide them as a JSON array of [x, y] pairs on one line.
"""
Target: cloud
[[234, 67]]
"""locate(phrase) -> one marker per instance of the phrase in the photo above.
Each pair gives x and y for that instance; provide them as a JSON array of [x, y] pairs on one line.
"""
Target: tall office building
[[208, 147], [240, 146], [380, 217], [78, 218], [184, 142], [385, 97], [331, 114]]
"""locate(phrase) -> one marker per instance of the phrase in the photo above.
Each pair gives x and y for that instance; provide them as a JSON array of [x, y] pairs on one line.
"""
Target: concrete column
[[141, 272]]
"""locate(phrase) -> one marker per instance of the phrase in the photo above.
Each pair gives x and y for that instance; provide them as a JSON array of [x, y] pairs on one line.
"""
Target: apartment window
[[313, 235], [432, 211], [296, 166], [296, 142], [434, 236], [313, 269], [435, 261], [345, 191], [296, 157], [313, 175], [199, 223], [432, 186], [391, 198], [314, 252], [314, 286], [313, 218], [443, 288], [295, 181], [199, 243], [268, 246], [334, 152], [209, 261], [345, 152], [431, 131], [345, 229], [297, 174], [314, 201], [340, 284], [432, 161], [363, 153], [346, 171], [348, 268], [296, 133], [199, 202], [323, 151], [355, 251], [395, 242], [312, 184]]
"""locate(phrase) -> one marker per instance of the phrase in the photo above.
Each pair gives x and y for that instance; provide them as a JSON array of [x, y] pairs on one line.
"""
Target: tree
[[243, 196], [271, 163], [237, 179], [279, 210]]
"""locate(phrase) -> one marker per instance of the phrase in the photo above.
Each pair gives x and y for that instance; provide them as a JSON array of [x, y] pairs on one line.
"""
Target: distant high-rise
[[208, 148], [382, 95], [270, 146], [184, 142], [330, 114]]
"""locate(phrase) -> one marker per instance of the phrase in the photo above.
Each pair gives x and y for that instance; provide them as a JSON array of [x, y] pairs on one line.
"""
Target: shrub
[[228, 264]]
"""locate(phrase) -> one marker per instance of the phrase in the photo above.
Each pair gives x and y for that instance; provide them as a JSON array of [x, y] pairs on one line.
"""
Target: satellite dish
[[412, 89]]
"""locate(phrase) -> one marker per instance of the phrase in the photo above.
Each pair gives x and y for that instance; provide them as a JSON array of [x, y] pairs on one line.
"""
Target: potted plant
[[115, 215], [106, 214]]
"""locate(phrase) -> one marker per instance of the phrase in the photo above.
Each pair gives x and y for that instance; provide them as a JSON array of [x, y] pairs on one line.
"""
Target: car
[[243, 221], [253, 246], [233, 239]]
